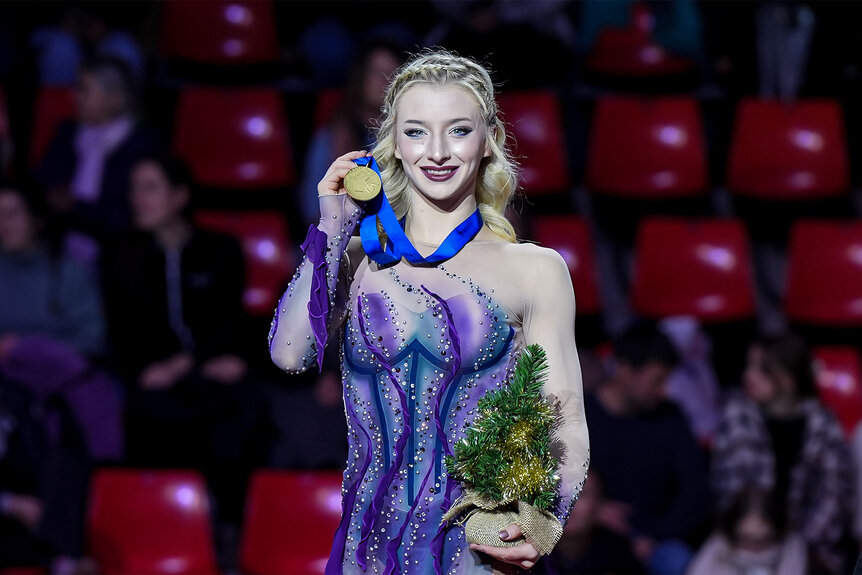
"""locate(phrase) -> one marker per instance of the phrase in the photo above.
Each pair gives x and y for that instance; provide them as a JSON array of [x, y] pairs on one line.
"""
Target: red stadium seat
[[647, 148], [536, 122], [632, 52], [290, 520], [570, 236], [147, 522], [263, 236], [53, 106], [234, 138], [824, 273], [785, 151], [219, 31], [838, 371], [698, 267]]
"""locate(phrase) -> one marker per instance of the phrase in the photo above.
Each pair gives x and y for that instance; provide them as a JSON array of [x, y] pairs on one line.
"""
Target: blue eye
[[461, 130], [413, 132]]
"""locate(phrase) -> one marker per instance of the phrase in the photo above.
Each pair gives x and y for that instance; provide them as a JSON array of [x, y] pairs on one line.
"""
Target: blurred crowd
[[130, 337]]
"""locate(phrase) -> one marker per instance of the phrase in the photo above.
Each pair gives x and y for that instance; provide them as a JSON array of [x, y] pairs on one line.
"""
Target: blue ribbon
[[398, 245]]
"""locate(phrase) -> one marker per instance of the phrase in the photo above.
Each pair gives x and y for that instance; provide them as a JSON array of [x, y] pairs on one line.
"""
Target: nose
[[438, 150]]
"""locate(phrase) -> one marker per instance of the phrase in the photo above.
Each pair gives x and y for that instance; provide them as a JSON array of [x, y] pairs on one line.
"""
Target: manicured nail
[[504, 534]]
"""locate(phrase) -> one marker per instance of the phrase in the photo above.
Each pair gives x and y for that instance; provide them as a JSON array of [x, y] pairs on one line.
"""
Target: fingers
[[511, 532], [332, 181], [523, 555]]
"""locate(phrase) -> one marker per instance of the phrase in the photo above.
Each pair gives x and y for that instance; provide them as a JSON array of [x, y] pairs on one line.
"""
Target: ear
[[492, 133], [397, 151]]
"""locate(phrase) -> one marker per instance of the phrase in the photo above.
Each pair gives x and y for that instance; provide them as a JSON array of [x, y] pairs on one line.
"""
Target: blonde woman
[[430, 316]]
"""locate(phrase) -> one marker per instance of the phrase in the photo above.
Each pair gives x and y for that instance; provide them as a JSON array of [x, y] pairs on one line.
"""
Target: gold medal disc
[[362, 183]]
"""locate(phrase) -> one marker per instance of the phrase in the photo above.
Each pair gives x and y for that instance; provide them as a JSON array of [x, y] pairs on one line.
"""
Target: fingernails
[[504, 534], [526, 564]]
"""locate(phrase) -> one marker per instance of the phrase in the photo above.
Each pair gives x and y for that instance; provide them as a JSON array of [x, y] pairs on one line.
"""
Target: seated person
[[752, 537], [86, 168], [777, 436], [174, 295], [57, 413], [653, 472]]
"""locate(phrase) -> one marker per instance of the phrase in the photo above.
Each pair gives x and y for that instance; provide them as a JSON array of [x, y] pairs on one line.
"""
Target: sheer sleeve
[[313, 305], [549, 320]]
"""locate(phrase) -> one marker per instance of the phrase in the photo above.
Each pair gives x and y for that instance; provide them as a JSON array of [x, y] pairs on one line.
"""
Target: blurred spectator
[[174, 295], [86, 168], [654, 475], [693, 384], [57, 411], [752, 538], [778, 437], [351, 127], [587, 548], [84, 30], [784, 34]]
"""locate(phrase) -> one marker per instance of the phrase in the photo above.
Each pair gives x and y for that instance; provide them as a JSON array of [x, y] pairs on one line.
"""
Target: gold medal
[[362, 183]]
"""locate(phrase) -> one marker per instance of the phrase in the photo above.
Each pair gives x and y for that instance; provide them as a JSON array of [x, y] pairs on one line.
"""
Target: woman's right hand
[[333, 182]]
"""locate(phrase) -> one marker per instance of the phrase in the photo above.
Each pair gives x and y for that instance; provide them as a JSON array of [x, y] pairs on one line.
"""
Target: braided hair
[[497, 179]]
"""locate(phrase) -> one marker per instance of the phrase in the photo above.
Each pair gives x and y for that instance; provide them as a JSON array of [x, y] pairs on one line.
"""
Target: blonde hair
[[497, 179]]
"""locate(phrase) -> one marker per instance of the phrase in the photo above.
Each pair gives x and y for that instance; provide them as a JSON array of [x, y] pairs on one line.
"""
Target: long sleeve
[[549, 320], [314, 302], [81, 321]]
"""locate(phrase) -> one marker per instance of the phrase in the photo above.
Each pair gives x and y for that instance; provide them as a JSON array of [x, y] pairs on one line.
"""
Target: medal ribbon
[[398, 245]]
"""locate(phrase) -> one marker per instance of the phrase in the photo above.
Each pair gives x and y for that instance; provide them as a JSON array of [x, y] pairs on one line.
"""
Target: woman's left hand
[[523, 555]]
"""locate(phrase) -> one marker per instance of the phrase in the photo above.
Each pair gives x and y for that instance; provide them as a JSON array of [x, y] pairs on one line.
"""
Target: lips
[[439, 174]]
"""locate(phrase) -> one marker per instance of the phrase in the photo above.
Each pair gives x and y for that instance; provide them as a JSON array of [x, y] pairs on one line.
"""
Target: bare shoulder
[[538, 263]]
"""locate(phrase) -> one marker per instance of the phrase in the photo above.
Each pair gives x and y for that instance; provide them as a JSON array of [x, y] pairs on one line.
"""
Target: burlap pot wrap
[[483, 519]]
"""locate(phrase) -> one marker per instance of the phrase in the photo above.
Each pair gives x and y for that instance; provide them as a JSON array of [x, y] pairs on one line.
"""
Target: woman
[[423, 343], [779, 438]]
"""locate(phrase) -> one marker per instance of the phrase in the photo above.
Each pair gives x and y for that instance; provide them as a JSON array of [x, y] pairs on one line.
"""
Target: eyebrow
[[421, 123]]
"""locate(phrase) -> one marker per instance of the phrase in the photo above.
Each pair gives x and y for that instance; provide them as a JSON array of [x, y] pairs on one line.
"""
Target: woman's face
[[17, 225], [440, 139], [761, 386], [96, 104], [154, 199]]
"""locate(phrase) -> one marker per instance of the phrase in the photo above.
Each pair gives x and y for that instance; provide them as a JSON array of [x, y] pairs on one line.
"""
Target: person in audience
[[752, 538], [86, 168], [174, 296], [587, 548], [654, 476], [59, 413], [351, 126], [776, 436]]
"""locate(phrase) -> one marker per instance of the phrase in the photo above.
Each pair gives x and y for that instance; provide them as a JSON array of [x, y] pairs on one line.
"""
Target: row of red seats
[[639, 147], [242, 32]]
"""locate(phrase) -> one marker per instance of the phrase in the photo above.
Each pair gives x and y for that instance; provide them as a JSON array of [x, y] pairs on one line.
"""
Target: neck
[[429, 222], [782, 407], [173, 234]]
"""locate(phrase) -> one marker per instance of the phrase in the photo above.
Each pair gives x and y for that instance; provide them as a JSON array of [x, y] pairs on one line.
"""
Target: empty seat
[[263, 236], [535, 120], [838, 372], [698, 267], [570, 236], [150, 522], [290, 521], [824, 273], [234, 138], [788, 151], [53, 106], [651, 148], [219, 31]]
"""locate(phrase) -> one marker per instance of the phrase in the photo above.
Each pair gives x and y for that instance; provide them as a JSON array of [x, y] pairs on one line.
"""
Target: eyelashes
[[457, 131]]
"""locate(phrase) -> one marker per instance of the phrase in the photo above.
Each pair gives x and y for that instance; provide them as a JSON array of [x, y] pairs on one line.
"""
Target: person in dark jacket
[[174, 295], [86, 168], [654, 475]]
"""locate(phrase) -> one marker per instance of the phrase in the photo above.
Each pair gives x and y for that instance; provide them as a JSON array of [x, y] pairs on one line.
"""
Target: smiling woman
[[424, 338]]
